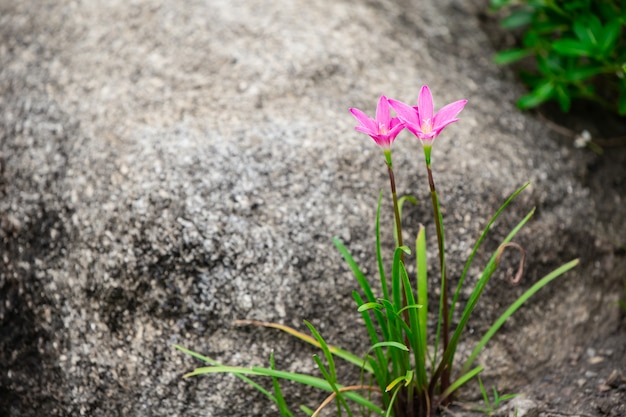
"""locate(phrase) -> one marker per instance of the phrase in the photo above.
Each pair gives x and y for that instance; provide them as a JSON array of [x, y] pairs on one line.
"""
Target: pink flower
[[420, 120], [384, 129]]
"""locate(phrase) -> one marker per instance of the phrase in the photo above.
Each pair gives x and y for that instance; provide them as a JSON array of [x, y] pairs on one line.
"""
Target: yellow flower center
[[427, 126]]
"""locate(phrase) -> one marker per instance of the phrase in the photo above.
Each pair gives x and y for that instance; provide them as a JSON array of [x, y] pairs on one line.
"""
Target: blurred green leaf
[[530, 39], [610, 34], [583, 31], [572, 47], [510, 55], [562, 96], [573, 5], [573, 42], [497, 4], [551, 65], [576, 74], [550, 26], [595, 26], [539, 95], [517, 18], [542, 64]]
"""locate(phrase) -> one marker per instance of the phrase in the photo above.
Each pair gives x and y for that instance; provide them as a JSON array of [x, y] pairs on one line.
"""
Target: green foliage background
[[578, 48]]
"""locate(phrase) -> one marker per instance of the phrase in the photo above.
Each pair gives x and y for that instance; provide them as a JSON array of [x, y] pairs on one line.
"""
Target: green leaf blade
[[539, 95], [572, 47]]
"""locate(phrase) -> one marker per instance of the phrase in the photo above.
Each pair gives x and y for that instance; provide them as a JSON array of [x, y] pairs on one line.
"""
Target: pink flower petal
[[439, 128], [364, 130], [395, 130], [448, 113], [382, 111], [406, 114], [364, 119], [425, 105]]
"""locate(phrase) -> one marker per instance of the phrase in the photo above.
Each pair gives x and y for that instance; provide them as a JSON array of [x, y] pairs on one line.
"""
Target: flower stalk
[[444, 314], [394, 197]]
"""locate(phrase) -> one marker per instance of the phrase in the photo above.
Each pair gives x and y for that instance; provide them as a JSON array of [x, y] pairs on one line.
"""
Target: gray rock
[[169, 167]]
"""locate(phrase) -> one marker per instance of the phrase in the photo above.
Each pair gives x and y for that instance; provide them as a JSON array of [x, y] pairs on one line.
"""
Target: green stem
[[445, 377], [396, 211]]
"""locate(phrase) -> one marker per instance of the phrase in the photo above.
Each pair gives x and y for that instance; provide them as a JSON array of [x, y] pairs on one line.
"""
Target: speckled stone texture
[[169, 167]]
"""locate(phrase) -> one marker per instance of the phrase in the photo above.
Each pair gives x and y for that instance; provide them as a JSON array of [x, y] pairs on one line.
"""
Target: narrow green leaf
[[381, 370], [324, 347], [391, 403], [396, 285], [514, 307], [366, 318], [403, 378], [196, 355], [311, 381], [390, 307], [338, 352], [511, 55], [395, 324], [359, 275], [414, 336], [460, 381], [280, 400], [396, 345], [306, 410], [410, 306], [483, 391], [369, 306], [341, 402], [242, 377], [422, 299]]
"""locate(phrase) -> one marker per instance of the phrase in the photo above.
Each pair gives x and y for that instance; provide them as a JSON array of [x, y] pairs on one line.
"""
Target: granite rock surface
[[169, 167]]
